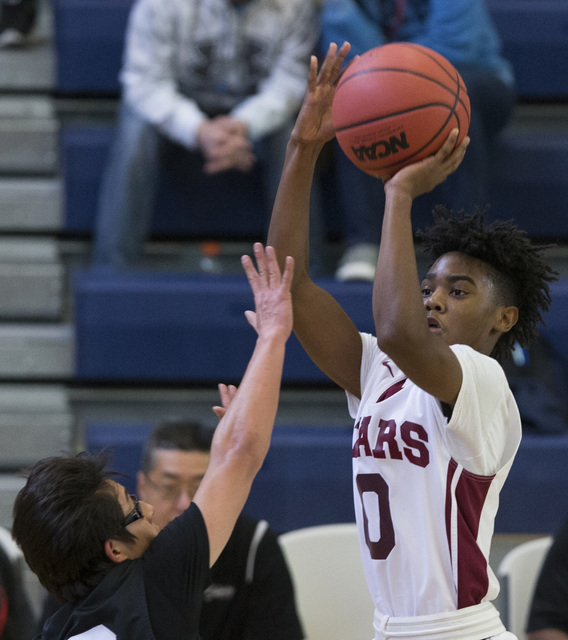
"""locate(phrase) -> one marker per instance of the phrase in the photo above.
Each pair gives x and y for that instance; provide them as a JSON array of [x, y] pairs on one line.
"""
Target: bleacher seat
[[306, 477], [89, 41], [534, 498], [304, 481], [228, 205], [175, 327], [528, 182], [556, 330], [535, 41]]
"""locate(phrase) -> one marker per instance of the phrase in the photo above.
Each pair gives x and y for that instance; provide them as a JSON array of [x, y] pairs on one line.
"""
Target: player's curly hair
[[518, 268]]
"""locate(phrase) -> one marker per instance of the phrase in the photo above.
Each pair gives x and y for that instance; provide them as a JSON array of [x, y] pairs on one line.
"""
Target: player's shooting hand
[[271, 289], [314, 120], [423, 176]]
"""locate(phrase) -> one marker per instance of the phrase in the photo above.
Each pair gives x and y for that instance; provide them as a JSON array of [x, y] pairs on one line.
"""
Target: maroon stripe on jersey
[[451, 470], [395, 388], [471, 492], [3, 609]]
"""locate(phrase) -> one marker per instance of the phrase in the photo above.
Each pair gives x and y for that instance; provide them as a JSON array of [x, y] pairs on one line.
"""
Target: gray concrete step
[[31, 205], [32, 279], [37, 351], [28, 135], [37, 421], [32, 68]]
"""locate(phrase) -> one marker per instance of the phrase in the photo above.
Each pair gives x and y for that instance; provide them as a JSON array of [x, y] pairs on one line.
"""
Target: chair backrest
[[331, 591], [11, 549], [518, 573]]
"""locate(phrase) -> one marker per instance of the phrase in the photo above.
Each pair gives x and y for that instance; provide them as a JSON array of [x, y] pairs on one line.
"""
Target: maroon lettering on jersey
[[375, 485], [362, 440], [415, 451], [395, 388], [387, 436]]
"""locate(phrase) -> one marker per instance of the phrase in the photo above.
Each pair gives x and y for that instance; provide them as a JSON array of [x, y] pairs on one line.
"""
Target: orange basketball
[[397, 104]]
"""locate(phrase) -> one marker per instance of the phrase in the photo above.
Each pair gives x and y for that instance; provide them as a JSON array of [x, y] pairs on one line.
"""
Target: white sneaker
[[359, 262], [12, 38]]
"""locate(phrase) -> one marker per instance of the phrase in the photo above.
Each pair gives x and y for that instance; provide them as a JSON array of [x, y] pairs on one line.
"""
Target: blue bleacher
[[306, 478], [89, 41], [528, 183], [228, 205], [527, 171], [175, 327], [535, 40]]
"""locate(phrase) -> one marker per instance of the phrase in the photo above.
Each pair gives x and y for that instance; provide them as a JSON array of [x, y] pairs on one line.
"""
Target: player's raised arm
[[242, 437], [324, 329], [398, 307]]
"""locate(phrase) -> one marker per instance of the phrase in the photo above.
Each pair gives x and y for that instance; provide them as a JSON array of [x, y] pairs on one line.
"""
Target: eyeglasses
[[135, 514]]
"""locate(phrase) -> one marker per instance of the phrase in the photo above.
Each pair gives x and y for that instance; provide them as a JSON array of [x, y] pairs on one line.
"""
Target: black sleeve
[[271, 609], [549, 609], [176, 570]]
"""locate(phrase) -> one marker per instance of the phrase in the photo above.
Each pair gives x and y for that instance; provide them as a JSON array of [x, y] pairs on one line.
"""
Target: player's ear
[[506, 318], [115, 551]]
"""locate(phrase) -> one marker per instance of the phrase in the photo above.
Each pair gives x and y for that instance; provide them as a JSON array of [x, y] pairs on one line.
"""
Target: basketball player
[[436, 426], [98, 548]]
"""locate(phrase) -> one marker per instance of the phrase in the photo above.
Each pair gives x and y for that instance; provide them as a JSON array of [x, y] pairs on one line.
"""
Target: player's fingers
[[313, 74], [251, 273], [260, 257], [339, 60], [224, 395], [273, 268], [327, 66], [251, 318], [449, 144], [288, 275], [219, 411]]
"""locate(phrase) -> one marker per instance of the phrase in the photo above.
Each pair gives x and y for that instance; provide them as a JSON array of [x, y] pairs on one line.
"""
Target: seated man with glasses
[[99, 550], [251, 594]]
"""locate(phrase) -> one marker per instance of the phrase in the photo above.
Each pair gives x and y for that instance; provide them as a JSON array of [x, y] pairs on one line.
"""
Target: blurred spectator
[[548, 615], [463, 32], [251, 594], [220, 79], [17, 21]]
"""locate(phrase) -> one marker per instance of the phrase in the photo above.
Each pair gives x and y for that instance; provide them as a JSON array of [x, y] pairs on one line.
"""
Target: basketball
[[397, 104]]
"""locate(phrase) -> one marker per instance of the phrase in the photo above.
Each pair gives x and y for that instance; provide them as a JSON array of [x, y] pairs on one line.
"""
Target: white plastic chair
[[332, 596], [518, 573], [11, 549]]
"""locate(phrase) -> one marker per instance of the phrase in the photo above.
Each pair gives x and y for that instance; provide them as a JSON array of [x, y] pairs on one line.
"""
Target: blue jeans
[[362, 196], [130, 184]]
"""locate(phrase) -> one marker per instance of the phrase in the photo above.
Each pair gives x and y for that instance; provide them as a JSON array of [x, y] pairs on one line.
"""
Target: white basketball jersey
[[425, 488]]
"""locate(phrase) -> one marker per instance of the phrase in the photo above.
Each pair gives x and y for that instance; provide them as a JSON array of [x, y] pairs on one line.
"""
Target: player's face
[[172, 482], [459, 298], [144, 528]]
